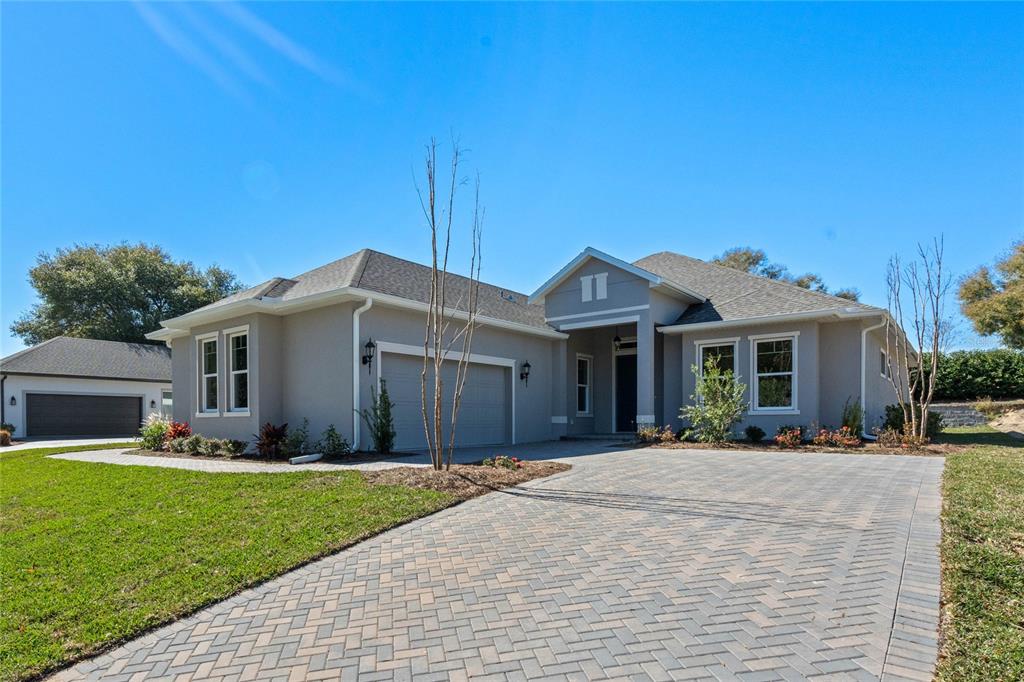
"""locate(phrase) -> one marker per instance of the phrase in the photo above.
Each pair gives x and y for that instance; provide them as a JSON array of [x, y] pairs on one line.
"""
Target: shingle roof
[[734, 294], [67, 356], [379, 272]]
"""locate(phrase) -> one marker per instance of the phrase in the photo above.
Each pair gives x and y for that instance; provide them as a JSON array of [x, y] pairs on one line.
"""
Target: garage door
[[51, 414], [484, 417]]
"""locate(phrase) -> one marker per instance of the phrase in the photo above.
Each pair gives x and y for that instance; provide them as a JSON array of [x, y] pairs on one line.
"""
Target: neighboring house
[[84, 387], [609, 346]]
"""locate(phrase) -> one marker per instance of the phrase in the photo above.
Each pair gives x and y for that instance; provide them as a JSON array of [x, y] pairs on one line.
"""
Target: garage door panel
[[55, 414], [483, 415]]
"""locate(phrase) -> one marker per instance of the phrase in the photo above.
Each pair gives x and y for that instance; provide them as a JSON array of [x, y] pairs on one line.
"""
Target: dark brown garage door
[[51, 414]]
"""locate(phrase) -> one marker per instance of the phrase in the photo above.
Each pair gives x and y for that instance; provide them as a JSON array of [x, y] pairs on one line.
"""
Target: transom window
[[239, 357], [775, 373], [208, 375], [583, 376]]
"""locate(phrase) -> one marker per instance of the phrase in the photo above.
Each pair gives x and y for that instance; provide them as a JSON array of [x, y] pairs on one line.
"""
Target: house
[[603, 346], [84, 387]]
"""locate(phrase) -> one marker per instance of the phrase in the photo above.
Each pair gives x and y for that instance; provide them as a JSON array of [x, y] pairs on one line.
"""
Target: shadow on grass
[[972, 436]]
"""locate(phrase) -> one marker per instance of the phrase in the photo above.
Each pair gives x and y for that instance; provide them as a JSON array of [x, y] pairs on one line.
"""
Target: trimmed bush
[[153, 433], [8, 427], [332, 444], [5, 437], [755, 434], [976, 374]]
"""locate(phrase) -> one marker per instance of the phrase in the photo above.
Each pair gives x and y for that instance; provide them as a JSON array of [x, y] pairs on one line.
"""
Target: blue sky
[[272, 138]]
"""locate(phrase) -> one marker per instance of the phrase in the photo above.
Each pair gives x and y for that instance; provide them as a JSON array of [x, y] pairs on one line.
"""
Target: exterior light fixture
[[13, 401], [618, 342], [152, 403], [524, 374], [368, 352]]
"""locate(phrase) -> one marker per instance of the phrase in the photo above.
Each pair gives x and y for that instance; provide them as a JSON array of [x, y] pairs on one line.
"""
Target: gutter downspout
[[356, 358], [3, 400], [864, 377]]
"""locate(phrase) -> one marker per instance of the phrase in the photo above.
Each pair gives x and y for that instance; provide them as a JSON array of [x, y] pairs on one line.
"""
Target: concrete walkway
[[62, 442], [638, 564], [546, 450]]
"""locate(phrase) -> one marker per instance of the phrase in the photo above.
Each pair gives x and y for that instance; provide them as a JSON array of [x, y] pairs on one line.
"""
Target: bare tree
[[917, 294], [448, 323]]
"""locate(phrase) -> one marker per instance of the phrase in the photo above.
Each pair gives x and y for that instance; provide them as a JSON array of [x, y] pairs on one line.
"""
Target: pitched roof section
[[381, 273], [68, 356], [736, 295]]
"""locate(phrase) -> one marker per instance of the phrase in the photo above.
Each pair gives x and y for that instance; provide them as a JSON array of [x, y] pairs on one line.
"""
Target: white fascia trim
[[408, 349], [612, 311], [590, 252], [179, 326], [603, 322], [677, 290], [843, 314]]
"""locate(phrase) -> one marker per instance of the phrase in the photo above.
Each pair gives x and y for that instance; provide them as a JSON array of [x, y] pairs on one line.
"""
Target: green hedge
[[974, 374]]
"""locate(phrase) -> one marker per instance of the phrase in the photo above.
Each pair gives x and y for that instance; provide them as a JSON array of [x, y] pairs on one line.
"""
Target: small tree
[[718, 403], [994, 301], [917, 295], [451, 312], [379, 420]]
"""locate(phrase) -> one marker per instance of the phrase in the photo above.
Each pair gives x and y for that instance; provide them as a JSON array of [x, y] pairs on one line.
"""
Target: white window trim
[[733, 341], [229, 334], [201, 410], [589, 385], [755, 376], [885, 370]]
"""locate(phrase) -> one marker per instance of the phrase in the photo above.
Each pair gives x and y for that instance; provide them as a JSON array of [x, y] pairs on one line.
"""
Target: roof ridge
[[427, 267], [364, 259], [761, 278]]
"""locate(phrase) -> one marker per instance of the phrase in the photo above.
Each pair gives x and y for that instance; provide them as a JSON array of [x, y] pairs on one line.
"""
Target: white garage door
[[484, 417]]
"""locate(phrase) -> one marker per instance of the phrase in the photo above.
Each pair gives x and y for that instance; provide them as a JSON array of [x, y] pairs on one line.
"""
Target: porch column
[[559, 388], [645, 371]]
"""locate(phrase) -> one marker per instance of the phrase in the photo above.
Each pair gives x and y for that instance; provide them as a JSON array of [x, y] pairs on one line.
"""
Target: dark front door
[[625, 393]]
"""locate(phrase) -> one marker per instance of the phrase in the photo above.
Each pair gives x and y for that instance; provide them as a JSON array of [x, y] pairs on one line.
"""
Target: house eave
[[838, 314]]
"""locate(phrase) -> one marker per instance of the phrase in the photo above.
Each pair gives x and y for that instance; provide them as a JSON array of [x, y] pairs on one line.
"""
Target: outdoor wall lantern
[[152, 403], [524, 374], [618, 342], [13, 401], [368, 352]]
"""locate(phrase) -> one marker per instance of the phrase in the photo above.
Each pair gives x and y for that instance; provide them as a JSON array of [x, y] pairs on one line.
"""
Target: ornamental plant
[[504, 462], [789, 436], [718, 403], [153, 432], [177, 430]]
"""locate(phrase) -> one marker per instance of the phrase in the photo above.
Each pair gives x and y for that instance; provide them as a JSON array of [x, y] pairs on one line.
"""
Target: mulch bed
[[464, 481], [931, 450]]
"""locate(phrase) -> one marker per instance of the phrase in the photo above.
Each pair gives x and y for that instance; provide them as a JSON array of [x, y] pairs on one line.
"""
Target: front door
[[625, 393]]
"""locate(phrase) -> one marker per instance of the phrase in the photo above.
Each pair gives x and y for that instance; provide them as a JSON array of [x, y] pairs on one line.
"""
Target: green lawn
[[983, 558], [93, 554]]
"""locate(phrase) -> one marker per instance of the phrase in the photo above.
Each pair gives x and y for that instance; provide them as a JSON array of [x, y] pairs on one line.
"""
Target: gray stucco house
[[610, 346]]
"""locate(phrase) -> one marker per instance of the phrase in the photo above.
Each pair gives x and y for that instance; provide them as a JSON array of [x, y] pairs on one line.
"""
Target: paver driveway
[[641, 564]]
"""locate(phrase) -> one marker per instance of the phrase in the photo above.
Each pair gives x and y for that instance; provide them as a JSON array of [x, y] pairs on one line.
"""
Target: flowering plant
[[789, 437], [504, 461]]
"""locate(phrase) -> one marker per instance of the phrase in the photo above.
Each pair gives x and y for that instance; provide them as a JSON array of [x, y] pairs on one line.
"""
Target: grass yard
[[983, 558], [94, 554]]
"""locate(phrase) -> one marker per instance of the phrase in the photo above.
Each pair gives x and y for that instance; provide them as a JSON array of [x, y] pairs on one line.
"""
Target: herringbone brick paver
[[642, 564]]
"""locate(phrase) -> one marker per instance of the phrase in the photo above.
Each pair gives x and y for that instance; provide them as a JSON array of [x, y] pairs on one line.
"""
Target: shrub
[[973, 374], [177, 430], [893, 438], [853, 416], [842, 437], [789, 436], [8, 427], [668, 435], [755, 434], [379, 420], [297, 441], [332, 444], [894, 420], [232, 447], [5, 437], [209, 447], [270, 439], [153, 432], [193, 444], [503, 462], [717, 403], [178, 445]]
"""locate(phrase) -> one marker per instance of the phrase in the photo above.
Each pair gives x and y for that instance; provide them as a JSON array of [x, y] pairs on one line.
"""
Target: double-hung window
[[238, 357], [583, 380], [208, 374], [774, 361]]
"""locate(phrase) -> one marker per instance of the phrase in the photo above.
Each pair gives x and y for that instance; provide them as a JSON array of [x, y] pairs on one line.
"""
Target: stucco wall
[[840, 369], [806, 362], [19, 385], [624, 290], [879, 391]]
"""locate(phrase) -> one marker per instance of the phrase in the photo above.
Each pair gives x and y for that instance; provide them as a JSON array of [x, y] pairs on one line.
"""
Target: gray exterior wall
[[879, 391], [808, 375], [624, 290]]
